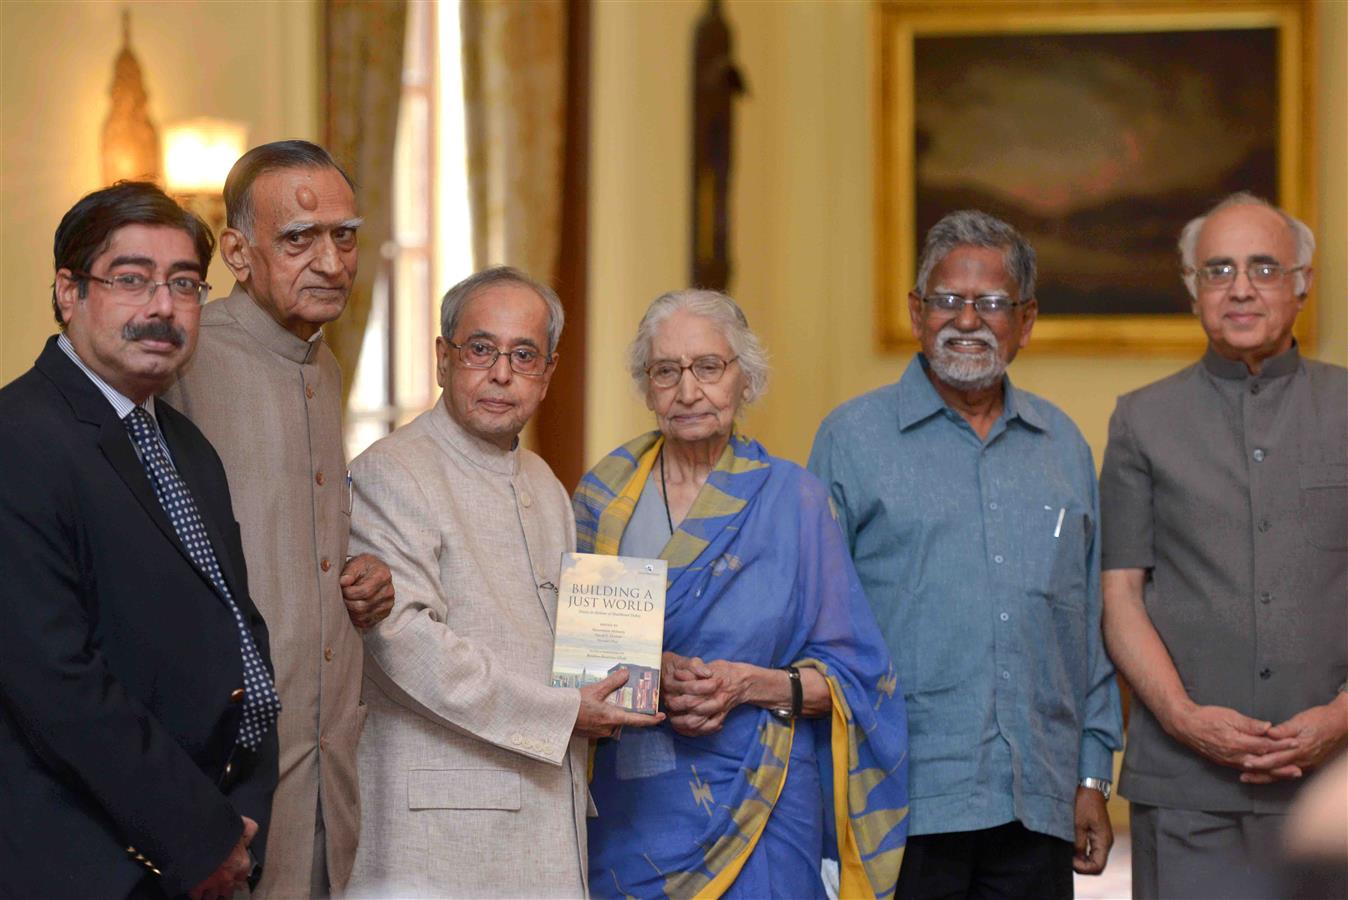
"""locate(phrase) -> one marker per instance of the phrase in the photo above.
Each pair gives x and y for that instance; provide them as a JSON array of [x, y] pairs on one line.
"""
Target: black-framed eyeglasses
[[135, 288], [479, 354], [989, 306], [666, 373], [1223, 275]]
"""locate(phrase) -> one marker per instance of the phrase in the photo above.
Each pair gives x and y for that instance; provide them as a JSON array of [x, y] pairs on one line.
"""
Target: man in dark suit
[[137, 711]]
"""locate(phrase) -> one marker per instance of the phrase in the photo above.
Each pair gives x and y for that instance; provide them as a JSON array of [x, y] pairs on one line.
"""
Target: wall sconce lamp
[[198, 154]]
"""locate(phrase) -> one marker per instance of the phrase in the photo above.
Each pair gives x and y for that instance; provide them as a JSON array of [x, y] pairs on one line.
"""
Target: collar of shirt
[[267, 331], [918, 400], [1285, 363], [475, 449], [120, 402]]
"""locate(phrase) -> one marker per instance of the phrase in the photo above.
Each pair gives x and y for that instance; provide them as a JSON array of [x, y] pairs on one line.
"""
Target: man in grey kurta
[[266, 391], [472, 767], [1224, 504]]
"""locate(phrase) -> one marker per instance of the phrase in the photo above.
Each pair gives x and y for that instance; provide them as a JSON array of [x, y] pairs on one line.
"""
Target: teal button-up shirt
[[982, 562]]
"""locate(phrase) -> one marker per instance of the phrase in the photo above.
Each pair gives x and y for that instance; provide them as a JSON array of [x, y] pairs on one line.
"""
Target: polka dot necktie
[[261, 705]]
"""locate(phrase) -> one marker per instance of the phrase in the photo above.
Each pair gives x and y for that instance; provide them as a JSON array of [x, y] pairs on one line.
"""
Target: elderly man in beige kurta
[[270, 404], [466, 736], [472, 766], [266, 391]]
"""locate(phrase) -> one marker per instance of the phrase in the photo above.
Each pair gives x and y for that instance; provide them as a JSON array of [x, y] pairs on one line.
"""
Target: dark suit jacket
[[119, 662]]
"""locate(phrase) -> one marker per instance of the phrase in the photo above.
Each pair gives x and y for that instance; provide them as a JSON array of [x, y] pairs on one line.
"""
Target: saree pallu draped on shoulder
[[758, 573]]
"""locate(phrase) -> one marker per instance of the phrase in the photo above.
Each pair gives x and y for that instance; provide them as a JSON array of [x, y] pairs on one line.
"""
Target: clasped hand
[[1266, 752], [232, 874], [698, 695]]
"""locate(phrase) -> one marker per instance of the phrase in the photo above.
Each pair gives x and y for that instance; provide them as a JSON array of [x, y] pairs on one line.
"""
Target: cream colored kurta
[[471, 783], [271, 404]]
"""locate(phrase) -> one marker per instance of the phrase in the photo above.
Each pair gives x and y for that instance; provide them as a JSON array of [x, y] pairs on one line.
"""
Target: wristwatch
[[1098, 784]]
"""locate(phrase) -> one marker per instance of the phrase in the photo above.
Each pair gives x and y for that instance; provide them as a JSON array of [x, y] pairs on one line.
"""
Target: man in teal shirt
[[971, 511]]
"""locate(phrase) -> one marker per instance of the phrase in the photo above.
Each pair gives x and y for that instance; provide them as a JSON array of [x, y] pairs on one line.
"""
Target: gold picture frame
[[951, 34]]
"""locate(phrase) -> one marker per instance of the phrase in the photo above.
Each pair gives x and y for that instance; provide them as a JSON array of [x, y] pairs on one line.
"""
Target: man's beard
[[967, 371]]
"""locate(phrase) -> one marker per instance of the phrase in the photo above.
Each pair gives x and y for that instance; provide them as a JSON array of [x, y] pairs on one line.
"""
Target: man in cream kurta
[[266, 391], [472, 767]]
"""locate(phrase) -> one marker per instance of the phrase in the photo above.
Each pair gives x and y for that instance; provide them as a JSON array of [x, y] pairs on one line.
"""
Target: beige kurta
[[471, 783], [271, 404]]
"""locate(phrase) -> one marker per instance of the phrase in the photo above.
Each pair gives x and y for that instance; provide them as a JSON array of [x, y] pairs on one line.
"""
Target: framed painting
[[1097, 129]]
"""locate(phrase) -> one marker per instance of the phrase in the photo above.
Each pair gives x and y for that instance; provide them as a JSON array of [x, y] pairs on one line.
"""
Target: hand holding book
[[598, 718]]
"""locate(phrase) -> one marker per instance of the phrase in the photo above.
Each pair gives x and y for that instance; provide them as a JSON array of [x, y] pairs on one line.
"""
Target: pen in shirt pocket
[[1057, 529], [348, 498]]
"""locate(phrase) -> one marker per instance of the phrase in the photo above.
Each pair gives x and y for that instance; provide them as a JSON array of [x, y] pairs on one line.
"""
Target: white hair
[[457, 297], [716, 308], [1188, 239], [975, 228]]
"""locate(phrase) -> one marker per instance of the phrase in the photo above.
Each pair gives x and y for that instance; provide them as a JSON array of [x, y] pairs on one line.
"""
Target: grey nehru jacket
[[1232, 490]]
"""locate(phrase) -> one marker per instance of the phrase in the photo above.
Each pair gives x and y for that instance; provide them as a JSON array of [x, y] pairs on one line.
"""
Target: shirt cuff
[[1097, 760]]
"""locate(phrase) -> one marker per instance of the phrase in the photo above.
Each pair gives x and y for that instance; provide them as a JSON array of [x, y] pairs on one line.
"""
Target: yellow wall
[[802, 211], [254, 62], [802, 190]]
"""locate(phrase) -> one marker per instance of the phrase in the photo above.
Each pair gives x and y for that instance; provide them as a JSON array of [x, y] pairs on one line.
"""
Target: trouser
[[1195, 855], [1006, 862]]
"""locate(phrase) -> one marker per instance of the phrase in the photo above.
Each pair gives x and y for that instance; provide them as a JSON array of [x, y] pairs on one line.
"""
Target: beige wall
[[254, 62], [802, 211]]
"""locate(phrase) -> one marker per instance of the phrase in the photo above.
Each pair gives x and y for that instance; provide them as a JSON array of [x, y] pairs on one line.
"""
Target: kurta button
[[327, 654], [1258, 455], [525, 501], [319, 478], [1266, 674], [516, 738], [1254, 388], [1004, 617], [1266, 598], [236, 695], [998, 559], [229, 767], [309, 391], [1265, 524], [325, 565]]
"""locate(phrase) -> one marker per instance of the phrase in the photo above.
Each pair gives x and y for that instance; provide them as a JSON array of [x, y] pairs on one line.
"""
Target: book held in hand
[[611, 615]]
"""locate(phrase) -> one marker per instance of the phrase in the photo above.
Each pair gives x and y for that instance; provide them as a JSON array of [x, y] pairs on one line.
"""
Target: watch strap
[[1098, 784]]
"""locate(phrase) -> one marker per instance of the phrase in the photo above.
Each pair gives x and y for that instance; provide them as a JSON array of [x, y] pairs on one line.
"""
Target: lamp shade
[[198, 154]]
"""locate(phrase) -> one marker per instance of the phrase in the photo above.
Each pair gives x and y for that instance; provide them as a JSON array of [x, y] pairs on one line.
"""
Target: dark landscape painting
[[1098, 147]]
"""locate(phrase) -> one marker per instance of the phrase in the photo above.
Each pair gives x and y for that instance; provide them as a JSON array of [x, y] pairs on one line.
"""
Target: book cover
[[611, 615]]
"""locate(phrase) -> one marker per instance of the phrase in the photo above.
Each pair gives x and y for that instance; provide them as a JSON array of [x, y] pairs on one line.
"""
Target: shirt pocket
[[1324, 505], [1055, 538]]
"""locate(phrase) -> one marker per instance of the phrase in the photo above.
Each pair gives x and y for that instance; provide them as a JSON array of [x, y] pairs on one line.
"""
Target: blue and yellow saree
[[758, 573]]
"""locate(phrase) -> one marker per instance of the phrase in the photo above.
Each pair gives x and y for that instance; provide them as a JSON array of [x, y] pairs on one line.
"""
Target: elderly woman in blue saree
[[786, 738]]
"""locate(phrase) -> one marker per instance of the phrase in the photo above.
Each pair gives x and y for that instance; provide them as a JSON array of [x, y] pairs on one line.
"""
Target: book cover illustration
[[611, 615]]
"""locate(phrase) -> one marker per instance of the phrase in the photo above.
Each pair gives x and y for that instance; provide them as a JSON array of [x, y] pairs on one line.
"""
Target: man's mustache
[[155, 330]]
